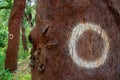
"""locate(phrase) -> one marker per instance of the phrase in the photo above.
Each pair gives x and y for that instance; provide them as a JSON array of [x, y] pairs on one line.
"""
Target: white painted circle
[[76, 33], [11, 36]]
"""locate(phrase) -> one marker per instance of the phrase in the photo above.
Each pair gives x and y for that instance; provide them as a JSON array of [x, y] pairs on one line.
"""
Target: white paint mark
[[77, 31], [11, 36]]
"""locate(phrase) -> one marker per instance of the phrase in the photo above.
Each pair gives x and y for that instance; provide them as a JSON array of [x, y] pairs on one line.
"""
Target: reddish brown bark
[[14, 34], [24, 40], [55, 22]]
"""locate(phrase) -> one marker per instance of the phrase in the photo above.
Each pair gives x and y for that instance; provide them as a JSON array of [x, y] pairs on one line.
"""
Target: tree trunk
[[76, 40], [28, 17], [14, 34], [24, 41]]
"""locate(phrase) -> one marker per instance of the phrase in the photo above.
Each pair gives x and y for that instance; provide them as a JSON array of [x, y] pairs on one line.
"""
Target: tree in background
[[14, 24], [27, 19], [24, 40]]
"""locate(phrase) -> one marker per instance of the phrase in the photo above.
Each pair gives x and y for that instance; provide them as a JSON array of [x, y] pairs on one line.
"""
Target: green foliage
[[5, 75], [4, 16], [23, 77], [3, 38], [6, 4]]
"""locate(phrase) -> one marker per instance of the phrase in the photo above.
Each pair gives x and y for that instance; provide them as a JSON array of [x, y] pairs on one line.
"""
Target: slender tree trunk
[[14, 34], [29, 18], [24, 41]]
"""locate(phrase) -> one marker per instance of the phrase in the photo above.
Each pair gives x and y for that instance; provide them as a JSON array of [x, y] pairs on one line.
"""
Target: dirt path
[[23, 69]]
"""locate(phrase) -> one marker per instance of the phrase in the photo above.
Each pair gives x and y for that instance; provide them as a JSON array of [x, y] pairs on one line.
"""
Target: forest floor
[[23, 69]]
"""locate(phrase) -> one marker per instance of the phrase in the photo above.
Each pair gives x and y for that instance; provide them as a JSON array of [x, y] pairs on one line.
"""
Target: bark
[[76, 40], [24, 40], [14, 34]]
